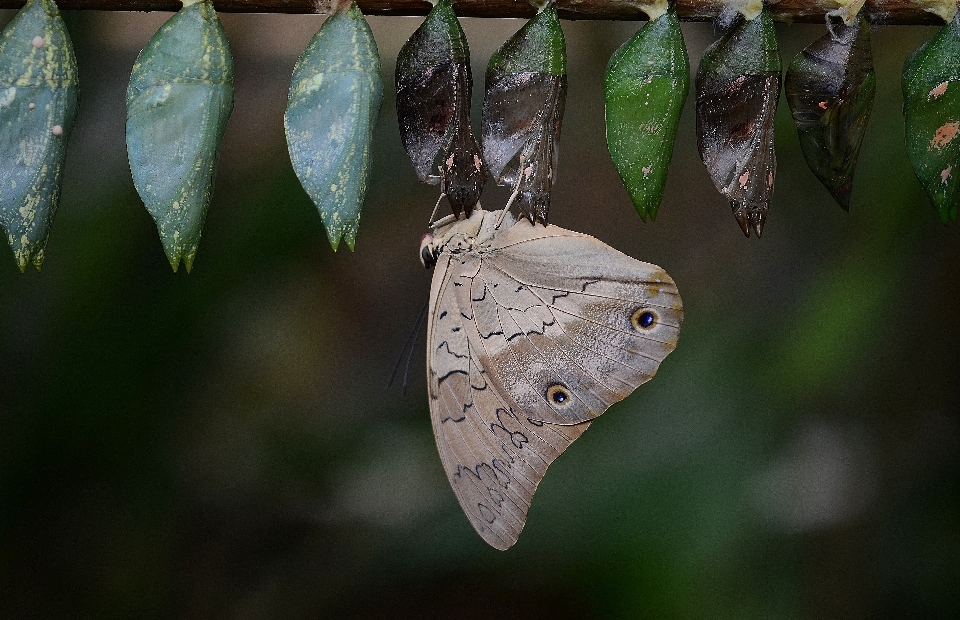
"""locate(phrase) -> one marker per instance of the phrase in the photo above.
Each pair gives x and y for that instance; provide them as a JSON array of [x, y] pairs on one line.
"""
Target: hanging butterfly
[[646, 85], [738, 84], [526, 86], [533, 332], [931, 108], [434, 86], [334, 101], [830, 87], [38, 105], [178, 101]]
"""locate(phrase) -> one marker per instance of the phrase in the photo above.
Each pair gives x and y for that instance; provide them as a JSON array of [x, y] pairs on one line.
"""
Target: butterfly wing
[[494, 457], [528, 343]]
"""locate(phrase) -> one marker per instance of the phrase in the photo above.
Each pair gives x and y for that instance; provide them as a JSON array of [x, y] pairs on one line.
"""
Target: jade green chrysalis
[[334, 100], [931, 108], [738, 85], [38, 104], [830, 87], [526, 85], [434, 86], [645, 86], [178, 101]]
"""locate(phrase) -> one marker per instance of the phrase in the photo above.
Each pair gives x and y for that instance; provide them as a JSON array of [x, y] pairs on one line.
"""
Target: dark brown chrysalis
[[434, 85], [830, 87], [738, 84]]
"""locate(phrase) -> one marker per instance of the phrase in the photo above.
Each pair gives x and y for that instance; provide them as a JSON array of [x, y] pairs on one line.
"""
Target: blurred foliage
[[224, 444]]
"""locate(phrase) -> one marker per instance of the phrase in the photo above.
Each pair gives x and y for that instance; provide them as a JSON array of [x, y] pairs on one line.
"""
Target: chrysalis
[[178, 102], [738, 84], [830, 87], [522, 108], [334, 101], [931, 107], [38, 104], [645, 86], [434, 85]]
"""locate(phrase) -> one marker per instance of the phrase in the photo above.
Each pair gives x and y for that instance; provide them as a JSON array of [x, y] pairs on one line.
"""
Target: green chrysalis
[[738, 85], [434, 86], [38, 104], [931, 108], [526, 86], [178, 102], [645, 85], [830, 87], [332, 108]]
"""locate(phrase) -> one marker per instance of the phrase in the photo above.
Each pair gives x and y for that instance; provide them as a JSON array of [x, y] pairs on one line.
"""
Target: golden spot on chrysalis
[[943, 136], [938, 90]]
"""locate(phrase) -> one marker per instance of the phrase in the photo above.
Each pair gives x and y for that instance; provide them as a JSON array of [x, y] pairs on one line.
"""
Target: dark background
[[224, 444]]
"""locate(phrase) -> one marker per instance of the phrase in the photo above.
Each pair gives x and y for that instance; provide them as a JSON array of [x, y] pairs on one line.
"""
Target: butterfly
[[533, 332]]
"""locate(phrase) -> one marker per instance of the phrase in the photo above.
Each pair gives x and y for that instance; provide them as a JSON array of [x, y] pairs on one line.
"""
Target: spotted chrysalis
[[738, 84], [931, 108], [645, 86], [334, 101], [434, 85], [526, 86], [38, 104], [830, 87], [178, 101]]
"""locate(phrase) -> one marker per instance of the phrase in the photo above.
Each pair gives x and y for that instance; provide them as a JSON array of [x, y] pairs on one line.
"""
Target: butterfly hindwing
[[534, 332]]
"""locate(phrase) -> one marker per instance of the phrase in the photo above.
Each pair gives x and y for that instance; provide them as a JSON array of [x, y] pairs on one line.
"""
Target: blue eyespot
[[643, 319], [558, 395]]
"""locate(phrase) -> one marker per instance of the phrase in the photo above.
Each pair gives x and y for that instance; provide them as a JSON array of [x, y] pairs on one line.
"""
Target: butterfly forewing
[[534, 333]]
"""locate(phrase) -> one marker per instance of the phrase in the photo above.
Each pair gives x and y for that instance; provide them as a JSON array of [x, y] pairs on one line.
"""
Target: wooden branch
[[904, 12]]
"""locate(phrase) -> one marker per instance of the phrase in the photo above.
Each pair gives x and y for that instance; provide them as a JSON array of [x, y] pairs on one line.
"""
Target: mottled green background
[[224, 444]]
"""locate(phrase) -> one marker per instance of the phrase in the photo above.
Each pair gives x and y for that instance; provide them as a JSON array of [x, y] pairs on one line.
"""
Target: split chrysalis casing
[[830, 87], [434, 86], [526, 86], [738, 85]]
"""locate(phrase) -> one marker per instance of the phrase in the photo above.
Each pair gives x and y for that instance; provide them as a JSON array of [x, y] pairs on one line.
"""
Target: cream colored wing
[[493, 455], [565, 324]]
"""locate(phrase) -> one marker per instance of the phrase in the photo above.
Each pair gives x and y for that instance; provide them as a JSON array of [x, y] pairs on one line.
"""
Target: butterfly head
[[429, 250]]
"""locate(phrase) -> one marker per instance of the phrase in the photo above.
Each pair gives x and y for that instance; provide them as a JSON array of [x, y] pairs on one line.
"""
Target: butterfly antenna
[[408, 347]]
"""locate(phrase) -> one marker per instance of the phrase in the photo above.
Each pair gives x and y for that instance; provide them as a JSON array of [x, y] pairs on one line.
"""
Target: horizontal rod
[[903, 12]]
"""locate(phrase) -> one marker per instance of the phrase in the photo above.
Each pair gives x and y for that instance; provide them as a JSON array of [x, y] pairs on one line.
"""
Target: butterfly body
[[533, 332]]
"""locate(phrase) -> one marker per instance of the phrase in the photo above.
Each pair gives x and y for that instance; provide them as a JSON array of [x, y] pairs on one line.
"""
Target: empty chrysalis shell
[[931, 107], [334, 101], [738, 84], [38, 104], [830, 87], [526, 85], [645, 86], [178, 101], [434, 85]]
